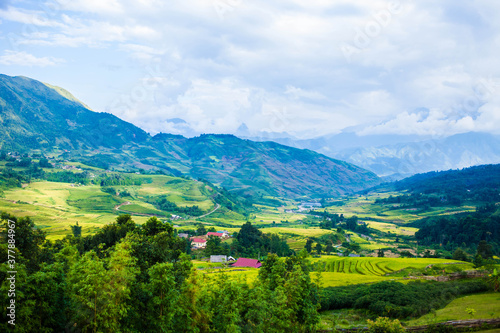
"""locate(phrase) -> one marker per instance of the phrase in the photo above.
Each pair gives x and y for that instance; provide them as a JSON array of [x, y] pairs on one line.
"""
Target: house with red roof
[[198, 243], [245, 262], [216, 234]]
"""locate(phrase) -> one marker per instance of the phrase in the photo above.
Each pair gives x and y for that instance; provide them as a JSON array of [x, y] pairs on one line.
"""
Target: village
[[200, 242]]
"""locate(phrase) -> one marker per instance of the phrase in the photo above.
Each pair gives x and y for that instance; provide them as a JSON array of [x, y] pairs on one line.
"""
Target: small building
[[199, 243], [183, 235], [221, 258], [216, 234], [246, 262]]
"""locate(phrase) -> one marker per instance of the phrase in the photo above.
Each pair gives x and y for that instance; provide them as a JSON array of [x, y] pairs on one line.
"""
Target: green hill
[[37, 116]]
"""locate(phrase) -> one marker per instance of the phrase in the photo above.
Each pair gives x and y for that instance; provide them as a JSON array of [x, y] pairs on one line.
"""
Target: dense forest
[[480, 184], [139, 278], [461, 230], [398, 300]]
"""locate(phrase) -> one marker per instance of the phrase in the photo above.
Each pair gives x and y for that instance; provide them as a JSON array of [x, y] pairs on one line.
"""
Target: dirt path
[[217, 206], [120, 205]]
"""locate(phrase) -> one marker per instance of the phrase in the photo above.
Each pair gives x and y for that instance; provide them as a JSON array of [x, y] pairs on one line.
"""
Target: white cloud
[[14, 58], [29, 17], [222, 69], [102, 7]]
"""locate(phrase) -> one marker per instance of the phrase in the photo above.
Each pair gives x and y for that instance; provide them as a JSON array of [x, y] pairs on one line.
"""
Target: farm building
[[199, 243], [245, 262], [221, 258]]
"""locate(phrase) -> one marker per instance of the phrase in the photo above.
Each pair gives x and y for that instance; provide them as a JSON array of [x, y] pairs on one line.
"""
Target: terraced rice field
[[376, 266]]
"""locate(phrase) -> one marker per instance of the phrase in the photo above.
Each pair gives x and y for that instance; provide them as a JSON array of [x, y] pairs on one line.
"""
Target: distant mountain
[[36, 116], [405, 159], [398, 156]]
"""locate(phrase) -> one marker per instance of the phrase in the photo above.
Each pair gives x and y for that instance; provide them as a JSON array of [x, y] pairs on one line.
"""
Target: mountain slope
[[36, 116], [268, 167]]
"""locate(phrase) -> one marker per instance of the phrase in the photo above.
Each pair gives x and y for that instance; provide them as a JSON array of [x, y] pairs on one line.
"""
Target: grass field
[[55, 206], [486, 306]]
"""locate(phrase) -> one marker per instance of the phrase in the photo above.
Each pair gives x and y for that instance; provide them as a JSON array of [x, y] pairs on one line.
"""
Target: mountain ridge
[[36, 116]]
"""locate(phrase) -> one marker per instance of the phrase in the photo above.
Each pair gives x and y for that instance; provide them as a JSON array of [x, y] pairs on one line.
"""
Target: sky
[[307, 68]]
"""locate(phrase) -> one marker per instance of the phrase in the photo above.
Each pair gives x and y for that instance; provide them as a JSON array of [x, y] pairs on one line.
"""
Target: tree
[[352, 223], [380, 253], [478, 260], [163, 297], [289, 298], [153, 226], [28, 239], [99, 296], [319, 248], [200, 231], [406, 254], [214, 247], [329, 248], [76, 230], [308, 245], [460, 255], [485, 250]]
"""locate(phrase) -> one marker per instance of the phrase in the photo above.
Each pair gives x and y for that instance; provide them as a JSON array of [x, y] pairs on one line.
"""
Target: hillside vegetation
[[37, 117]]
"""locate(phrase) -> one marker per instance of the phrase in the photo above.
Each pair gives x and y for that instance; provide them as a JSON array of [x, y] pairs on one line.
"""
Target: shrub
[[385, 325]]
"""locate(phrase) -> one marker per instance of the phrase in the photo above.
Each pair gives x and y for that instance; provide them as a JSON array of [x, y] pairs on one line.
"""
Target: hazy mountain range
[[36, 117], [399, 156], [389, 156]]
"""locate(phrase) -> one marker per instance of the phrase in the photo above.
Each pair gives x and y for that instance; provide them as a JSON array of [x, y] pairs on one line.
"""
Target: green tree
[[308, 245], [292, 298], [28, 240], [99, 296], [214, 247], [201, 230], [460, 254], [485, 250], [153, 226], [380, 253], [164, 297], [351, 223], [76, 230], [478, 260], [319, 248], [329, 248], [88, 292], [223, 301]]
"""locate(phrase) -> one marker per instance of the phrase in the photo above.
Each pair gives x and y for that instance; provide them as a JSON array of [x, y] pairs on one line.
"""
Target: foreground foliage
[[137, 279], [398, 300]]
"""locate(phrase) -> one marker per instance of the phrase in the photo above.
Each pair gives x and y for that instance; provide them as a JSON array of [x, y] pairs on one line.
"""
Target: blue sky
[[304, 67]]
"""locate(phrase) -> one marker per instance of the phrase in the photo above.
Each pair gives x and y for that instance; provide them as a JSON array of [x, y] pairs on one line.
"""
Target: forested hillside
[[37, 117]]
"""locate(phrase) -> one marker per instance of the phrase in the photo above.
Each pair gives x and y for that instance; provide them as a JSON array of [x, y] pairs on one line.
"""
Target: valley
[[324, 243]]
